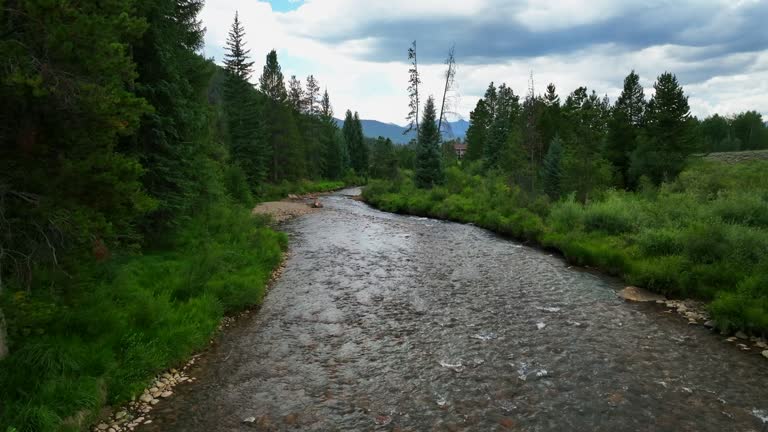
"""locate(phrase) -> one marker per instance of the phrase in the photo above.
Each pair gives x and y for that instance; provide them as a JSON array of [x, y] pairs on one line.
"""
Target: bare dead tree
[[450, 75], [413, 91]]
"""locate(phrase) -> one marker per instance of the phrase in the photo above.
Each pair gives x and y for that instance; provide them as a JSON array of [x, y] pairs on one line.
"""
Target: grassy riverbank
[[101, 338], [279, 191], [705, 235]]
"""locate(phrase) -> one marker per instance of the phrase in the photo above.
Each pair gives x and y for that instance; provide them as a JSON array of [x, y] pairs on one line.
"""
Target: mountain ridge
[[375, 129]]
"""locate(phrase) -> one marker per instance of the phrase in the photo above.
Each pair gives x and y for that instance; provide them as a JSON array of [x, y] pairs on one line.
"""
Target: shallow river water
[[397, 323]]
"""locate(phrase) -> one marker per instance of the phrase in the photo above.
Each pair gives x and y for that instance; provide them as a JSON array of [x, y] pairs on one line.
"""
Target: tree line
[[281, 133], [585, 143]]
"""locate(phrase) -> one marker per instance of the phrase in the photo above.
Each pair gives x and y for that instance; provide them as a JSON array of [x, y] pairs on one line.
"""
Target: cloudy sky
[[358, 48]]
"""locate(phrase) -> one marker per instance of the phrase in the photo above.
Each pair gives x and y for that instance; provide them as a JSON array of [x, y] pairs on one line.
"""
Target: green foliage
[[552, 170], [131, 318], [383, 162], [667, 138], [278, 191], [624, 125], [271, 82], [429, 167], [703, 235], [479, 121]]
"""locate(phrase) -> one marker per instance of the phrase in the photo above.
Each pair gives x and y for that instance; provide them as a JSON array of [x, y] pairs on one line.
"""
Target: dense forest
[[625, 187], [128, 166]]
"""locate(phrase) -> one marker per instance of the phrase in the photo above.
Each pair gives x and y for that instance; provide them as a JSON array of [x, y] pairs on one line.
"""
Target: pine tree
[[477, 133], [625, 125], [383, 162], [666, 140], [271, 81], [550, 123], [552, 168], [312, 96], [359, 150], [505, 119], [236, 57], [490, 98], [296, 95], [429, 168], [353, 137], [242, 110]]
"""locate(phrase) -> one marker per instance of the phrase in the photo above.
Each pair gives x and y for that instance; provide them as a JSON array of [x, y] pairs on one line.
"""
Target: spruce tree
[[296, 94], [243, 113], [624, 126], [552, 168], [236, 57], [333, 152], [505, 118], [358, 149], [312, 96], [429, 167], [550, 123], [666, 140], [477, 133], [271, 81]]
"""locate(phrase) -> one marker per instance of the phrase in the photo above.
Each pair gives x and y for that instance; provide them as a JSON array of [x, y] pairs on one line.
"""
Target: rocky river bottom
[[397, 323]]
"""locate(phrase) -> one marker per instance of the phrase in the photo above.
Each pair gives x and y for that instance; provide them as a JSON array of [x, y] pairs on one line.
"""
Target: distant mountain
[[375, 129]]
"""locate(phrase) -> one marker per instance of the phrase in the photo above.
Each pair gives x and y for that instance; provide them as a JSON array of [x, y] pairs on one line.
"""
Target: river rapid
[[398, 323]]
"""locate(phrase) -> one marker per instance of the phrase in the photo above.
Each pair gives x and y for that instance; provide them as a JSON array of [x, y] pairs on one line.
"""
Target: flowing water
[[396, 323]]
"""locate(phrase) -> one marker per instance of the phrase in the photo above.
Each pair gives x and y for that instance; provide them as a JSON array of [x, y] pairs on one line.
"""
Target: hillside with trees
[[128, 167]]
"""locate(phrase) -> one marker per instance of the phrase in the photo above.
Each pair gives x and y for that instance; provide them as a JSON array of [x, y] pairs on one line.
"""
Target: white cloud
[[377, 88]]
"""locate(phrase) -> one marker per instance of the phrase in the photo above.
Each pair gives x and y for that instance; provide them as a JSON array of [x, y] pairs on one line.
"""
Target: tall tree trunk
[[449, 74]]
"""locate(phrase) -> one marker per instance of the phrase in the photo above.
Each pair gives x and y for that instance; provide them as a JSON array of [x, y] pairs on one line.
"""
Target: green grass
[[705, 235], [101, 338]]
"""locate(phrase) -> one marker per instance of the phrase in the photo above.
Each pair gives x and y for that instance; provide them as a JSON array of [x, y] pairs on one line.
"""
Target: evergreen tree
[[490, 99], [584, 170], [477, 133], [552, 168], [358, 150], [65, 182], [353, 137], [429, 169], [236, 57], [750, 129], [383, 162], [550, 123], [666, 140], [505, 119], [296, 97], [312, 96], [332, 141], [625, 125], [243, 112], [271, 81]]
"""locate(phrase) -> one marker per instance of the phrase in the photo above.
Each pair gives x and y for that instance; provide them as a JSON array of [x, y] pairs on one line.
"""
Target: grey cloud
[[711, 32]]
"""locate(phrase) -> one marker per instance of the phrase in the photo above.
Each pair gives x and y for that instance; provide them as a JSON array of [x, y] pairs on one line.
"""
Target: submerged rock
[[632, 293]]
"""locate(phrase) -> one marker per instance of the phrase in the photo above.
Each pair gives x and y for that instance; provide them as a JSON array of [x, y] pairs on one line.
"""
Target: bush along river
[[397, 323]]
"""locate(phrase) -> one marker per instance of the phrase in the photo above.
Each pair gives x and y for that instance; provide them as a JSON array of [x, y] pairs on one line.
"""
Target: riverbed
[[398, 323]]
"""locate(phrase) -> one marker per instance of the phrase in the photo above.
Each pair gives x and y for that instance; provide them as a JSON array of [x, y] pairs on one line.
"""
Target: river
[[397, 323]]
